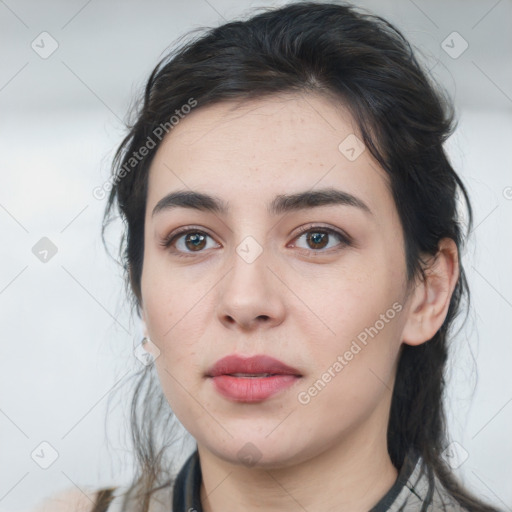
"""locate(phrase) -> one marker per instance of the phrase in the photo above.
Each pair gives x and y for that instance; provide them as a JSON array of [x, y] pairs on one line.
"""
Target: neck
[[351, 476]]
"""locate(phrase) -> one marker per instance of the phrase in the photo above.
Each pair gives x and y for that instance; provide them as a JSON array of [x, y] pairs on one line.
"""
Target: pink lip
[[251, 389]]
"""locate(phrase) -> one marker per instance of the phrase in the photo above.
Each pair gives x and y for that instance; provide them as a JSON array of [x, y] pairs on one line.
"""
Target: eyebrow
[[280, 204]]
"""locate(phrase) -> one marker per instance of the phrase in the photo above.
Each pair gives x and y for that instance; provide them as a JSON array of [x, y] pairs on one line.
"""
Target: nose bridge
[[248, 293], [248, 278]]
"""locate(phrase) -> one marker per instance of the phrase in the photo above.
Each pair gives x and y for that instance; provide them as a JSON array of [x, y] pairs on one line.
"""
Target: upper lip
[[252, 365]]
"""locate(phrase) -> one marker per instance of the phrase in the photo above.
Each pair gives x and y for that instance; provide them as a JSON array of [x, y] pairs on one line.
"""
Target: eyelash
[[345, 240]]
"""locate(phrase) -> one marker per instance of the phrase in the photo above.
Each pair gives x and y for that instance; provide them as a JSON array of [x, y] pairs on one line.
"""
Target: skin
[[301, 304]]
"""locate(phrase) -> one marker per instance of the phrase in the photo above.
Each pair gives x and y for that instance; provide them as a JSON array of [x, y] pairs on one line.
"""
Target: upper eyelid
[[312, 227]]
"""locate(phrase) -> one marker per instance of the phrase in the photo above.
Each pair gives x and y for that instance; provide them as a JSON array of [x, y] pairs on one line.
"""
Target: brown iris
[[318, 239], [197, 241]]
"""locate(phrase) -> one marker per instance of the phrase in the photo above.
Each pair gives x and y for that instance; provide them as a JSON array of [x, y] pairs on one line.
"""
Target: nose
[[251, 296]]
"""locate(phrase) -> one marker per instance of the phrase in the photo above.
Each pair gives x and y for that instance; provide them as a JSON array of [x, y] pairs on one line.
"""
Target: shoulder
[[69, 500], [121, 498], [433, 493], [418, 489]]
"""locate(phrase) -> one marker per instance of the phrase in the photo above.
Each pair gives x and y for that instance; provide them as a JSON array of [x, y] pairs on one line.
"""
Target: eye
[[321, 239], [318, 239], [189, 241]]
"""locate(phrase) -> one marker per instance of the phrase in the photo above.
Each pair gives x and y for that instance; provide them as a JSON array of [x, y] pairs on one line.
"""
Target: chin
[[259, 452]]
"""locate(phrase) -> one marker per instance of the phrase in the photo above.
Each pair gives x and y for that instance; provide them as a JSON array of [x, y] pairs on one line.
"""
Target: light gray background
[[67, 338]]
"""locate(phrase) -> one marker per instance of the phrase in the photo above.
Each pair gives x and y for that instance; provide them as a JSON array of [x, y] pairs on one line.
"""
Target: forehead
[[249, 150]]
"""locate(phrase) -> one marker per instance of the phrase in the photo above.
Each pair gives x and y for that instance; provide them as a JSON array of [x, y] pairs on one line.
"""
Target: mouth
[[255, 366], [251, 379], [254, 375]]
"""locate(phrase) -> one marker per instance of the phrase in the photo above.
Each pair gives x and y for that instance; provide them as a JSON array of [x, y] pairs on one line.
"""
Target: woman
[[293, 249]]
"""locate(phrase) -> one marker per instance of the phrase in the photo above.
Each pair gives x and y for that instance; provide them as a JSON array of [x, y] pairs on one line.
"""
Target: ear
[[430, 300]]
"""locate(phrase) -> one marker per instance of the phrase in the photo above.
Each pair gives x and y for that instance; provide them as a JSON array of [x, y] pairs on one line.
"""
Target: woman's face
[[277, 263]]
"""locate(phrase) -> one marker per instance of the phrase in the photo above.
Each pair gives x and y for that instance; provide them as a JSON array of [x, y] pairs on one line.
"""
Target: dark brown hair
[[365, 63]]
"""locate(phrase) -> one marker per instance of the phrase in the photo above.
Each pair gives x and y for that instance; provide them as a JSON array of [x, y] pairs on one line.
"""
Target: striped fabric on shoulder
[[423, 492], [121, 499], [415, 490]]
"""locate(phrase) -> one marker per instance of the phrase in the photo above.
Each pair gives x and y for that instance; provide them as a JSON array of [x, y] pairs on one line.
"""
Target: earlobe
[[430, 300]]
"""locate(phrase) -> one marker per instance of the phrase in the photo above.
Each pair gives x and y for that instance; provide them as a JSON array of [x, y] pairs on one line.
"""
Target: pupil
[[197, 240], [318, 238]]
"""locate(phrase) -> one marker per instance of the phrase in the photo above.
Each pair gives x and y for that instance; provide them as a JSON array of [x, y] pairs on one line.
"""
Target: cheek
[[349, 398], [355, 318], [175, 322], [344, 300], [167, 298], [353, 370]]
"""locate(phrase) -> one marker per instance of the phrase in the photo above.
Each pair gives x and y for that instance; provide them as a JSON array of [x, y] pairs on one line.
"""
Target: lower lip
[[252, 389]]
